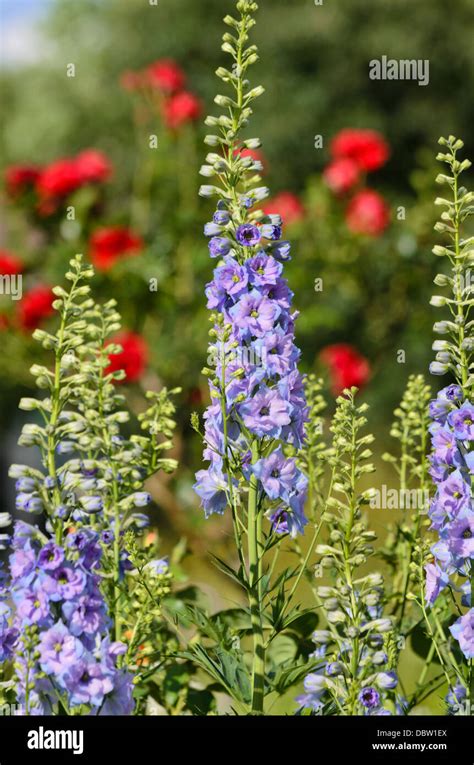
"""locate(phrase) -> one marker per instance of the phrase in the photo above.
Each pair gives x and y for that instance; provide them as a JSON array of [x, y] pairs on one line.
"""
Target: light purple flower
[[266, 413], [436, 581], [211, 486], [462, 422], [58, 649], [254, 314], [263, 270], [277, 474], [463, 631], [50, 557], [231, 277]]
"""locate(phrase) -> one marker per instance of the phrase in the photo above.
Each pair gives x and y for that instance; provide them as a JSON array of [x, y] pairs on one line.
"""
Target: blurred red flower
[[21, 178], [287, 205], [59, 179], [341, 175], [367, 148], [93, 166], [181, 108], [347, 367], [9, 263], [110, 243], [165, 75], [36, 306], [367, 213], [64, 176], [4, 322], [133, 358]]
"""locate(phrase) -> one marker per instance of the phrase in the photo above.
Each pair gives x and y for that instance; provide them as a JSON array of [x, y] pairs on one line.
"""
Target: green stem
[[254, 548]]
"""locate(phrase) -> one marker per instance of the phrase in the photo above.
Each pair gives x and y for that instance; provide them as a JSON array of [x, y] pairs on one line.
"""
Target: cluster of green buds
[[454, 354], [356, 674], [411, 464], [92, 474]]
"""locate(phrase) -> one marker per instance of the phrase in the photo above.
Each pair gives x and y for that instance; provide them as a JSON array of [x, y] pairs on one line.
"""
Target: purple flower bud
[[219, 246], [221, 217], [281, 251], [212, 229], [270, 231], [91, 504], [141, 498]]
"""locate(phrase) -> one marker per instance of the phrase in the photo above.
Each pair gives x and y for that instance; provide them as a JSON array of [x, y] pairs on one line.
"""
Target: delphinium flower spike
[[356, 673], [258, 404], [452, 428], [65, 601], [411, 465]]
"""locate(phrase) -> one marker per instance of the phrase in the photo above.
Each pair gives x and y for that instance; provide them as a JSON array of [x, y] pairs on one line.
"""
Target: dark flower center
[[264, 411]]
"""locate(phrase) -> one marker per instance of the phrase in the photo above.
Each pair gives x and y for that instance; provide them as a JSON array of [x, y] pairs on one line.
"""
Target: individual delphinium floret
[[357, 672], [452, 434], [258, 404], [61, 627]]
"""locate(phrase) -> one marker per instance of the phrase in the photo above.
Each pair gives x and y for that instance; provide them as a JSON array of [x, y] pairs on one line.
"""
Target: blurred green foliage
[[314, 65]]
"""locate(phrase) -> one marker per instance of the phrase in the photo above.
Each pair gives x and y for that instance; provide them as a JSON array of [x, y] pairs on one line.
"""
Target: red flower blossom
[[93, 166], [10, 264], [113, 242], [133, 358], [165, 75], [4, 322], [64, 176], [367, 148], [367, 213], [181, 108], [287, 205], [36, 306], [341, 175], [21, 178], [347, 367], [59, 179]]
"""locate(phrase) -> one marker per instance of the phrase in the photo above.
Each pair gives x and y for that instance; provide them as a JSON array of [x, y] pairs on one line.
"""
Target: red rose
[[10, 264], [165, 75], [93, 166], [346, 367], [59, 179], [367, 213], [181, 108], [109, 244], [21, 178], [287, 205], [366, 147], [133, 358], [341, 175], [36, 305]]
